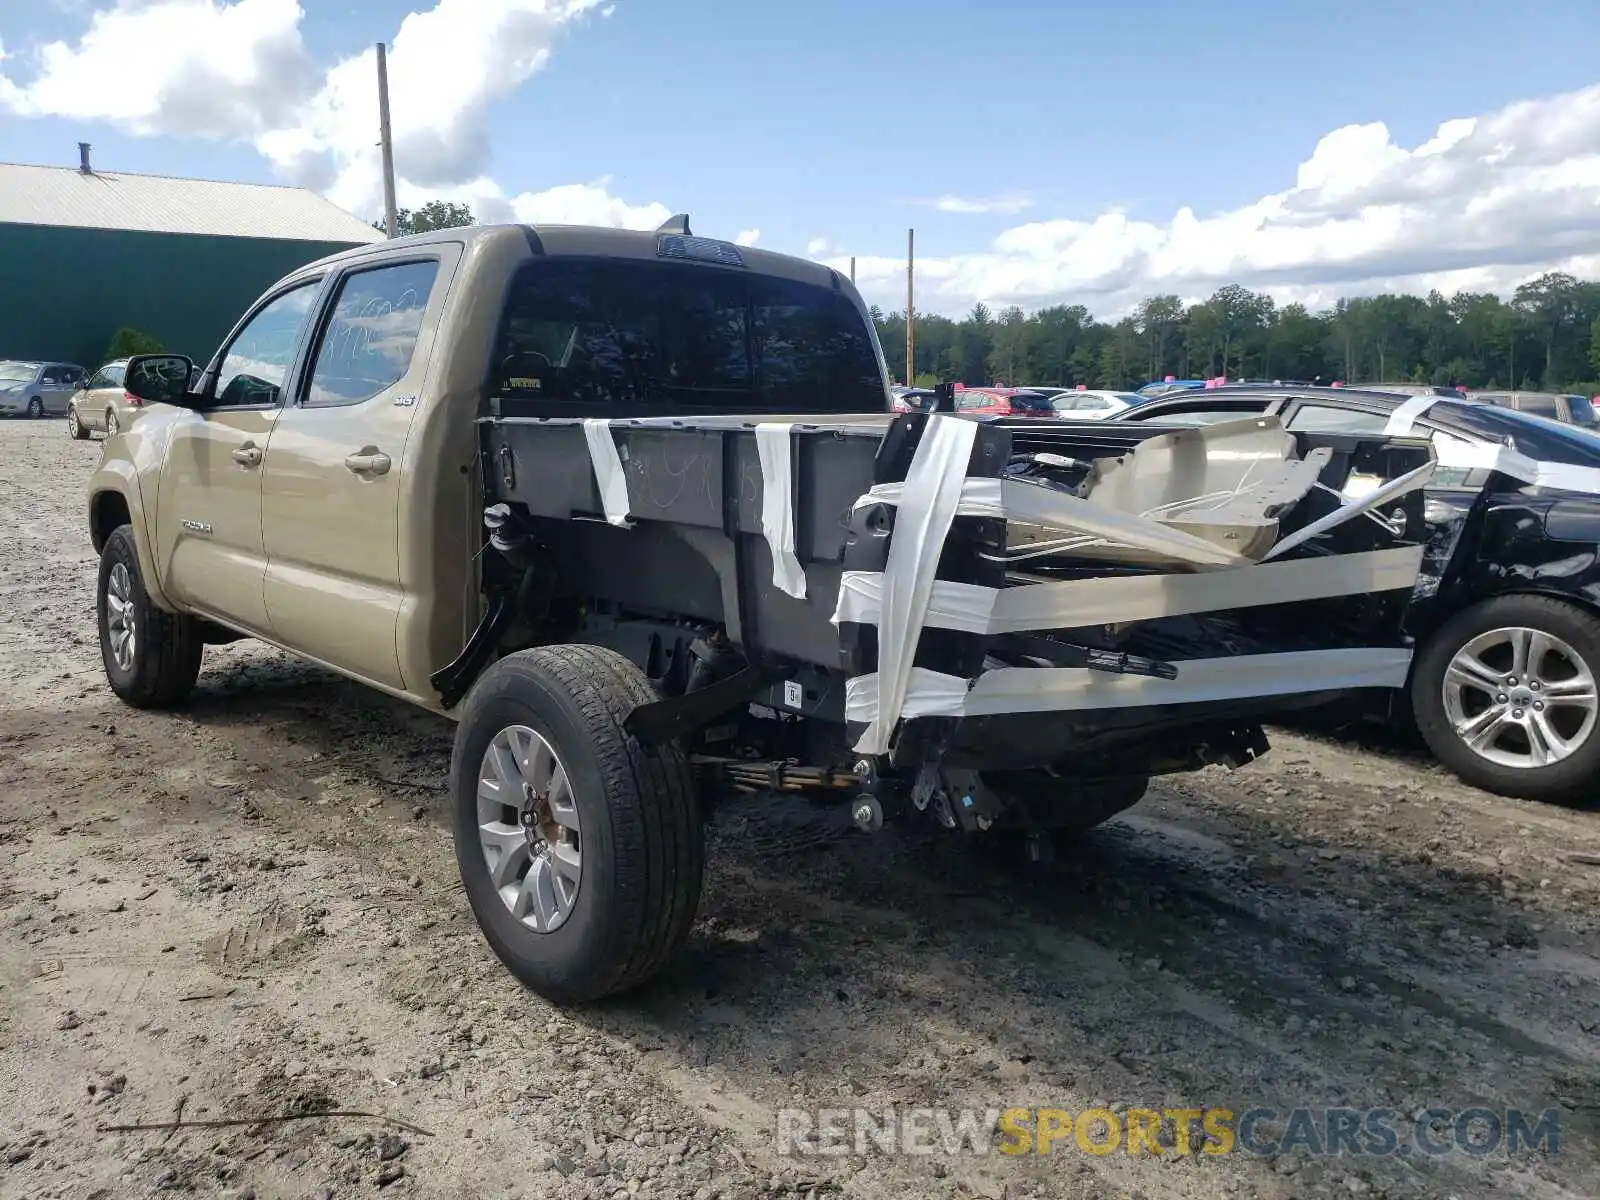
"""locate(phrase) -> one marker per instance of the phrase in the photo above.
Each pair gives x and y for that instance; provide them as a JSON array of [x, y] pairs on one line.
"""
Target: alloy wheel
[[121, 628], [529, 829], [1520, 697]]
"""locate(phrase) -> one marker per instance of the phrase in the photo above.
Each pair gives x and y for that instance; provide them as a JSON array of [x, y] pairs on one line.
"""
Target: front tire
[[36, 408], [75, 425], [151, 657], [580, 849], [1505, 694]]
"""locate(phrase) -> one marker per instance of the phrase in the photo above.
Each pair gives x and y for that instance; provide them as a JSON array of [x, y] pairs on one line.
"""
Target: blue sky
[[842, 121]]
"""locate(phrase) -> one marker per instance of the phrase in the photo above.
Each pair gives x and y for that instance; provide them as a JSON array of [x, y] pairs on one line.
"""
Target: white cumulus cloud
[[195, 68], [1007, 205], [748, 237], [1484, 203], [239, 70]]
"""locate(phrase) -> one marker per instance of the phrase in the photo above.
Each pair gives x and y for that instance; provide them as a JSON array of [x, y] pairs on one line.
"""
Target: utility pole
[[911, 339], [390, 219]]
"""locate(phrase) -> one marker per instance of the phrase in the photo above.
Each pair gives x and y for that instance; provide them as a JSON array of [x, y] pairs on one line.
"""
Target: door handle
[[369, 460], [247, 455]]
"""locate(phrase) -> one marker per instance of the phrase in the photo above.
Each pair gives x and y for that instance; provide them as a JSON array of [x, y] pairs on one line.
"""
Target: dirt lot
[[249, 910]]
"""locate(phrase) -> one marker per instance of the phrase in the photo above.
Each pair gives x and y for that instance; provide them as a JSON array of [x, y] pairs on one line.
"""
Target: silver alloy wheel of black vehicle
[[529, 829], [121, 622], [1520, 697]]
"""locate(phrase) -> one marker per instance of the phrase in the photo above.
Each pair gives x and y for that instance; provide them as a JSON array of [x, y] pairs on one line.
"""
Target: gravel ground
[[249, 911]]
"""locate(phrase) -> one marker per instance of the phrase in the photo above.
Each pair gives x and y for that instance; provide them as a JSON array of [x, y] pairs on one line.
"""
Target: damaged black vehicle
[[1507, 613]]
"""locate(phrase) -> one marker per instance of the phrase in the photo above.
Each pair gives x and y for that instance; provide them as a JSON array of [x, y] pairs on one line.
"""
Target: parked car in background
[[1090, 405], [1004, 402], [1165, 387], [103, 405], [1566, 407], [910, 399], [1505, 679], [37, 389]]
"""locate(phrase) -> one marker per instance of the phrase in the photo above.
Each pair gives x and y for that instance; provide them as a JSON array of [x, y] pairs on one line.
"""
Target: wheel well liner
[[107, 511]]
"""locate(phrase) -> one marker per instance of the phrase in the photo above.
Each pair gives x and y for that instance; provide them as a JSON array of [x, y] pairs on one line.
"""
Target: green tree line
[[1546, 337]]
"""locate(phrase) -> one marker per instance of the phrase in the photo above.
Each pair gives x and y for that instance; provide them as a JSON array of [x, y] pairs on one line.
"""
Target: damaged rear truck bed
[[1004, 626]]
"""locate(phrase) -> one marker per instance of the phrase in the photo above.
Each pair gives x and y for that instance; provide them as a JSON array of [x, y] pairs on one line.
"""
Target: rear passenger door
[[336, 468]]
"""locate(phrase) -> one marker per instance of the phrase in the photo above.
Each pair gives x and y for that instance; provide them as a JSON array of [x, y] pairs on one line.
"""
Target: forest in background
[[1545, 338]]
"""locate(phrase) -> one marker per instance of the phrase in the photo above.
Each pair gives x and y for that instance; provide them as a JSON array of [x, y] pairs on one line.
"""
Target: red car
[[1005, 402]]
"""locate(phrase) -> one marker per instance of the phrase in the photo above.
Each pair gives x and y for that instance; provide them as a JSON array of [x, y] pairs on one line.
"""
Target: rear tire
[[151, 656], [637, 824], [1488, 632], [111, 423]]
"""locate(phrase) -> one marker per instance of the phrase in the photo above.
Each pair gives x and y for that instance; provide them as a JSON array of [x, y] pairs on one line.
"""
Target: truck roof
[[572, 241]]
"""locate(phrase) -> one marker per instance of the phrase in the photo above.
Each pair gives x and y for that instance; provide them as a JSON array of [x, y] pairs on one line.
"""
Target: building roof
[[66, 196]]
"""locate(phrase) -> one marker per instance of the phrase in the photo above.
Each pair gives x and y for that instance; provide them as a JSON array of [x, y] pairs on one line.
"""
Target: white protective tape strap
[[1350, 509], [927, 505], [1042, 507], [1460, 453], [1077, 603], [608, 471], [1402, 418], [774, 447], [1204, 680]]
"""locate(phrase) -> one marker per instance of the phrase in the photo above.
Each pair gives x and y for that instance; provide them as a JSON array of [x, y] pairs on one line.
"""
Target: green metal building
[[84, 253]]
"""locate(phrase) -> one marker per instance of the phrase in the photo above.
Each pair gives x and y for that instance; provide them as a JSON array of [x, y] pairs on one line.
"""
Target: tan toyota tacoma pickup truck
[[633, 509]]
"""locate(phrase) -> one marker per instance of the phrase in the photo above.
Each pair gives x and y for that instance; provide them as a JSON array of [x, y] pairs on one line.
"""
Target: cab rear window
[[620, 337]]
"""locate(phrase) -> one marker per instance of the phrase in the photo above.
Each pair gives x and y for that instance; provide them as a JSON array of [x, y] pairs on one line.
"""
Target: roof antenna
[[677, 224]]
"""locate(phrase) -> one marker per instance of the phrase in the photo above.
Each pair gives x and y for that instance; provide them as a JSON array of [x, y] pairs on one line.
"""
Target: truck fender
[[115, 498]]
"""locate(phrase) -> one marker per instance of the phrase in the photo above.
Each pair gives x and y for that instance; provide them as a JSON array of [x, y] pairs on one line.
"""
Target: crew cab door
[[336, 467], [209, 549]]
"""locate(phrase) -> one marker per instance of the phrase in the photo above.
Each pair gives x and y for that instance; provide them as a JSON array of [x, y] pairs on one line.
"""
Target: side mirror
[[159, 378]]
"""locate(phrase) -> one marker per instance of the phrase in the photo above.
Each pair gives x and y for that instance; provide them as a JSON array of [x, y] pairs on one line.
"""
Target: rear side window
[[1582, 411], [371, 333], [1539, 406], [1198, 415], [1321, 418], [618, 335]]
